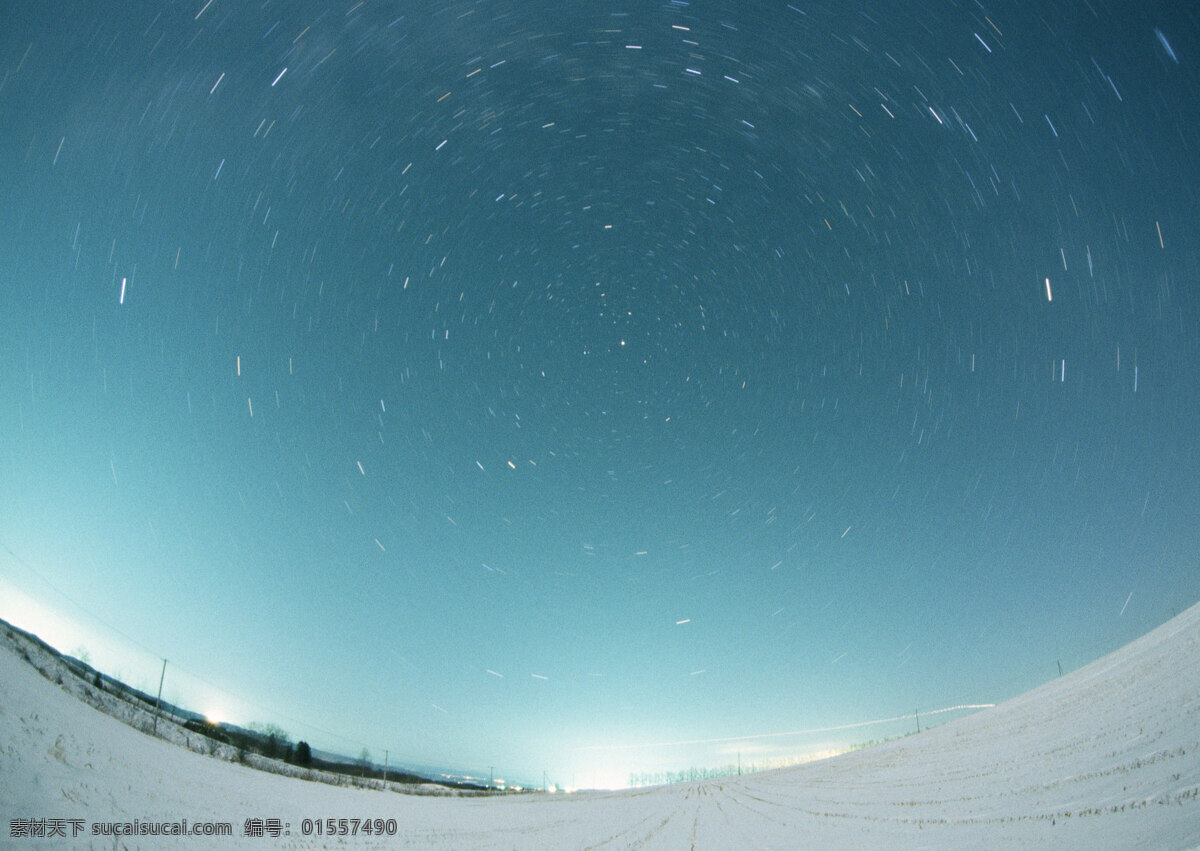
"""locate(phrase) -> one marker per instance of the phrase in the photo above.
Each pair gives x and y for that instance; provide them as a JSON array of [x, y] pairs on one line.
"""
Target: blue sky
[[504, 386]]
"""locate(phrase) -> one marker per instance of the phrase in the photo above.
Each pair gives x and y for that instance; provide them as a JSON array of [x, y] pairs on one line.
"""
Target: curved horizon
[[1059, 765]]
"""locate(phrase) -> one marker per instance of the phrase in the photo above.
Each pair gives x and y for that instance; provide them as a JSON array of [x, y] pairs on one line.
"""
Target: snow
[[1107, 756]]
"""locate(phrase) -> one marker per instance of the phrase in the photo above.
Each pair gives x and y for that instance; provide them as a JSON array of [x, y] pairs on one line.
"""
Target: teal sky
[[501, 383]]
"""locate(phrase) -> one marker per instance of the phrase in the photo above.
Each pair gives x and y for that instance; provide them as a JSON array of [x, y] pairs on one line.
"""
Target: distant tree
[[277, 744], [302, 754], [275, 747]]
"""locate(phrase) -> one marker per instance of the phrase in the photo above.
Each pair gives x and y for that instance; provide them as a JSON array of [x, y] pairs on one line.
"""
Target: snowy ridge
[[1107, 756]]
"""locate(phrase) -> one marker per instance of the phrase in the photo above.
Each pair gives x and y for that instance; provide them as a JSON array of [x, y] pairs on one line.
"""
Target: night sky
[[505, 384]]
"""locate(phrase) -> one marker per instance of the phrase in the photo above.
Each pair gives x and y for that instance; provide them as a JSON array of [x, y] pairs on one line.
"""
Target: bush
[[206, 728]]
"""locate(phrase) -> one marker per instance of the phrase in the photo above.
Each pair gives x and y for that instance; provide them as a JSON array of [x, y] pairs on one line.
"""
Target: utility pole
[[739, 763], [917, 712], [385, 765], [158, 700]]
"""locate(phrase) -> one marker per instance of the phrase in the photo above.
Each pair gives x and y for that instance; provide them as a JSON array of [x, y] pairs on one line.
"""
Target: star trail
[[511, 383]]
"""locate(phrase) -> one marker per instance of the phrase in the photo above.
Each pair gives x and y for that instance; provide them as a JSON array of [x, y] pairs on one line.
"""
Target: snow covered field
[[1105, 757]]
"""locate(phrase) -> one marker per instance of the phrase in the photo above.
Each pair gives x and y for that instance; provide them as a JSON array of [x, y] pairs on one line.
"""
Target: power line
[[962, 706], [249, 703], [75, 602]]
